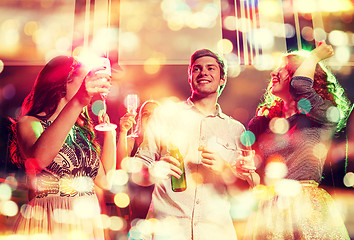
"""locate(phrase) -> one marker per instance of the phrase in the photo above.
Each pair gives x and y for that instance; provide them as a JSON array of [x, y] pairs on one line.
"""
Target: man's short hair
[[218, 58]]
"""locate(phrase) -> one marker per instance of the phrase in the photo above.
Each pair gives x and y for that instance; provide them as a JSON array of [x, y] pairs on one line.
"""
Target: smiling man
[[207, 140], [207, 78]]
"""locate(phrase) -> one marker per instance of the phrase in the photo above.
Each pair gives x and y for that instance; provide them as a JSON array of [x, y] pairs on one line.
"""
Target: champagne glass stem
[[104, 101], [105, 126]]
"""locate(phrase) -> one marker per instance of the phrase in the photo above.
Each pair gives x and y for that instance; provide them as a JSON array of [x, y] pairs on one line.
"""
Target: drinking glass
[[132, 103], [247, 159], [132, 106], [105, 126]]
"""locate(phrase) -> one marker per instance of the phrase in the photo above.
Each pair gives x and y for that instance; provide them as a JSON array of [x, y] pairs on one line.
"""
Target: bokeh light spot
[[348, 179], [83, 183], [342, 54], [234, 68], [320, 151], [146, 226], [12, 181], [319, 34], [97, 106], [131, 165], [117, 223], [242, 205], [140, 227], [288, 188], [174, 24], [30, 28], [9, 208], [160, 170], [118, 177], [304, 106], [122, 200], [307, 33], [269, 8], [135, 233], [338, 38], [84, 208], [289, 30], [230, 23], [262, 37], [1, 66], [275, 169], [106, 221], [5, 191], [153, 65], [247, 138], [25, 210], [8, 91], [225, 46], [279, 125], [333, 114]]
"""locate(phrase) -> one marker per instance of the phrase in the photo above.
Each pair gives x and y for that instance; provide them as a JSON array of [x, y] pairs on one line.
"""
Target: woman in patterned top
[[303, 107], [62, 158]]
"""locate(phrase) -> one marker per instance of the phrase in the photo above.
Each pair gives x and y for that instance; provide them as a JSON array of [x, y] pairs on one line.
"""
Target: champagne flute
[[247, 159], [132, 105], [105, 126]]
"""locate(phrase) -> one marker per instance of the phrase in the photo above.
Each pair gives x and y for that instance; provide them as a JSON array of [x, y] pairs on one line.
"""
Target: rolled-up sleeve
[[302, 88]]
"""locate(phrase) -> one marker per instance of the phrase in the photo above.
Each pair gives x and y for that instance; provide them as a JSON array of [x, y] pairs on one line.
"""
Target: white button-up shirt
[[202, 211]]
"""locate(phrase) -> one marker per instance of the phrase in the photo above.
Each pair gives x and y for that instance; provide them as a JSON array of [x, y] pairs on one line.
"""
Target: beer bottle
[[178, 185]]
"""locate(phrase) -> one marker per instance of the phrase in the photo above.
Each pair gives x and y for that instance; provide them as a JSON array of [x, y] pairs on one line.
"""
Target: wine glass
[[132, 106], [132, 103], [105, 126], [246, 162], [247, 159]]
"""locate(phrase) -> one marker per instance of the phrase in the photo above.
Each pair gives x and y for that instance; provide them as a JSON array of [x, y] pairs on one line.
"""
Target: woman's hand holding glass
[[132, 106], [96, 82], [103, 117], [103, 90], [92, 84], [126, 122]]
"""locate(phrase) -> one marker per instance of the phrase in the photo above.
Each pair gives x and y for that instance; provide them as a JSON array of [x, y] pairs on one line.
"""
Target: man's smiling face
[[204, 76]]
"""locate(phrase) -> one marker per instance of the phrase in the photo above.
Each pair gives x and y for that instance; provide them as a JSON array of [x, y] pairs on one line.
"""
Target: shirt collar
[[218, 111]]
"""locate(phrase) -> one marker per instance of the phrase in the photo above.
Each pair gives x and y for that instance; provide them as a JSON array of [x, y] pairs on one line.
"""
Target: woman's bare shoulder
[[29, 125], [26, 119]]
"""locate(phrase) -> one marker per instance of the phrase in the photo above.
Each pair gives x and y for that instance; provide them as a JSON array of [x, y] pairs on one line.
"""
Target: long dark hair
[[49, 87], [43, 100]]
